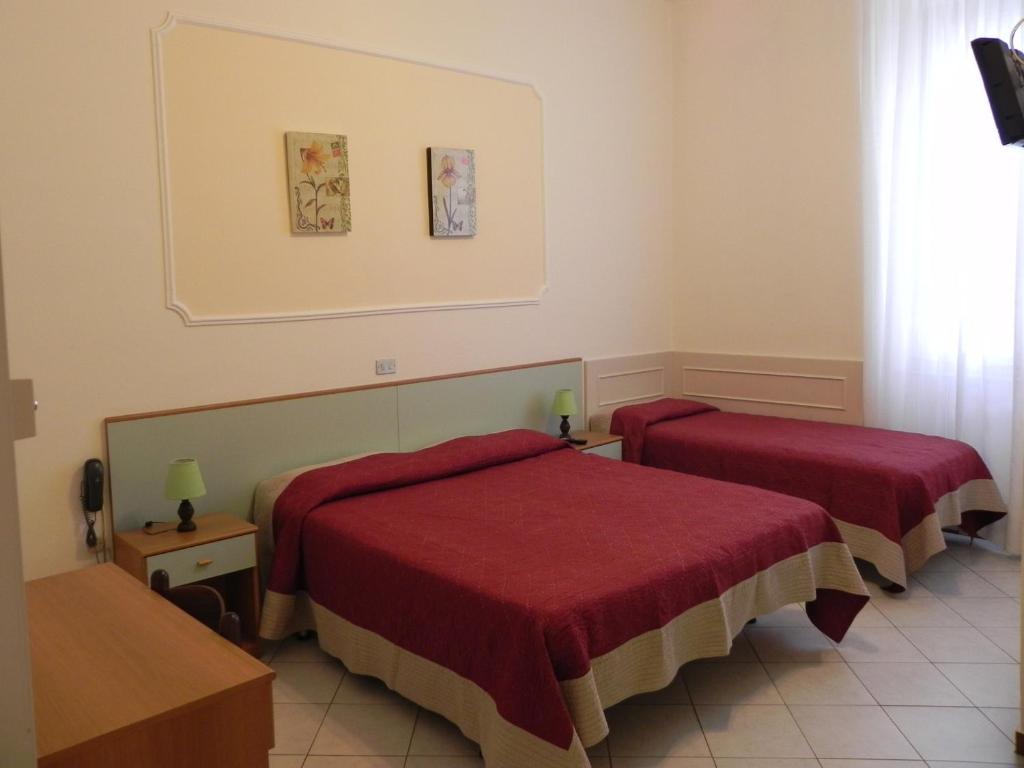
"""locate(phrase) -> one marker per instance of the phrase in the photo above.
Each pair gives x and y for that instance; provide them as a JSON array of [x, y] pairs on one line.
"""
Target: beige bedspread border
[[896, 561], [647, 662]]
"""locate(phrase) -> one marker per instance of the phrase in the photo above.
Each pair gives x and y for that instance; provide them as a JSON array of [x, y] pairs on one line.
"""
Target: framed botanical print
[[451, 181], [318, 182]]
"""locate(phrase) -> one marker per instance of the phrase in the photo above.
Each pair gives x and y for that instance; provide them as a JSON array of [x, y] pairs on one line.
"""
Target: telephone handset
[[92, 496]]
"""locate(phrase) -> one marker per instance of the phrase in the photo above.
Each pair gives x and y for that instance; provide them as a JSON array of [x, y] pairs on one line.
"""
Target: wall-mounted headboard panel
[[239, 444], [236, 444], [431, 411]]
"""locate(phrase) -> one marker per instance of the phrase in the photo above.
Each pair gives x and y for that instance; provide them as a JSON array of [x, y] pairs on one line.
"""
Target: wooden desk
[[124, 678]]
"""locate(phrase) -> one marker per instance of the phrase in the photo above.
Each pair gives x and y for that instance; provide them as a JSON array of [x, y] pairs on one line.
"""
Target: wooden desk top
[[109, 654]]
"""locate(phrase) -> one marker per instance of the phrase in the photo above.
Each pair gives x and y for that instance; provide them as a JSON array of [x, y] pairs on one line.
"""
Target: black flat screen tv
[[1004, 85]]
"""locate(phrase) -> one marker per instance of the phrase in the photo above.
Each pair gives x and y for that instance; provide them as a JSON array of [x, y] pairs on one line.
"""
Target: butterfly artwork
[[318, 183], [451, 176]]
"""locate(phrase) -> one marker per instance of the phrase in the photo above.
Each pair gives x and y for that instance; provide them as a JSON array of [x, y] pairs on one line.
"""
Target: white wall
[[82, 256], [767, 205]]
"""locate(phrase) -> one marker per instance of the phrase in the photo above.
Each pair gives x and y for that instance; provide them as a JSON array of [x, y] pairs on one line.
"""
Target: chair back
[[202, 603]]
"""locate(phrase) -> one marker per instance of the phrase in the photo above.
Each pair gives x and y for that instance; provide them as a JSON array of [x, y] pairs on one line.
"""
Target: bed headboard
[[238, 444]]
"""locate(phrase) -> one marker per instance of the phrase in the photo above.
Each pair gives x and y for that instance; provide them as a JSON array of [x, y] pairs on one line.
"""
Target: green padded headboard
[[239, 444]]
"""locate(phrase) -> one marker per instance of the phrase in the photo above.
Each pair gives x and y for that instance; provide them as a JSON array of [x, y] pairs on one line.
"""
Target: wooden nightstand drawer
[[600, 444], [609, 450], [205, 561]]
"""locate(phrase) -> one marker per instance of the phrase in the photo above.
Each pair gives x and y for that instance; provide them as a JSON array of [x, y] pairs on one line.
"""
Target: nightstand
[[600, 444], [221, 552]]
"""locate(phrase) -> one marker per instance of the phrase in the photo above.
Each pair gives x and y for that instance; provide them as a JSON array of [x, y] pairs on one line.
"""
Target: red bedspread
[[515, 562], [874, 478]]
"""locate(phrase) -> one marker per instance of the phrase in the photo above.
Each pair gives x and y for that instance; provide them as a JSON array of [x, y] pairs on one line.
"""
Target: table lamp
[[184, 482], [564, 406]]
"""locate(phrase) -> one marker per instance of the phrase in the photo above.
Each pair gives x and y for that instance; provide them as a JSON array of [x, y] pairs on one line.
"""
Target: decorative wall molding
[[655, 376], [728, 376], [806, 388], [614, 381], [177, 305]]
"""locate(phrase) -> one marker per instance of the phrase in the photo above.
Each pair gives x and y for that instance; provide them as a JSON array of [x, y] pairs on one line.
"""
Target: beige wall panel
[[767, 161], [86, 313], [229, 98]]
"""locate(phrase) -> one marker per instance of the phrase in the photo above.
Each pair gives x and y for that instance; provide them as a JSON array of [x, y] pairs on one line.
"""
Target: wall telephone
[[92, 496]]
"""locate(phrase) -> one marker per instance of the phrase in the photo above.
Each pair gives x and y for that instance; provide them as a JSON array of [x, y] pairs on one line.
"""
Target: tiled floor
[[929, 676]]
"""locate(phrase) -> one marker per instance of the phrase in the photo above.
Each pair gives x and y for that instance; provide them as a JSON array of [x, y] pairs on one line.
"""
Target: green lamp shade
[[565, 403], [184, 480]]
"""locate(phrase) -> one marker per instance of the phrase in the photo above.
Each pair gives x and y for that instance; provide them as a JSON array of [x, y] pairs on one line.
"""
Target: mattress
[[519, 588], [890, 493]]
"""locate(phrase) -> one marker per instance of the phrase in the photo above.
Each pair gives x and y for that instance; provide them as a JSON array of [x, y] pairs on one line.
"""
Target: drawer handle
[[205, 561]]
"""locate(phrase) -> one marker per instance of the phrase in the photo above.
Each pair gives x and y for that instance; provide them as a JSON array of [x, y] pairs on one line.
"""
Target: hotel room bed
[[891, 493], [519, 588]]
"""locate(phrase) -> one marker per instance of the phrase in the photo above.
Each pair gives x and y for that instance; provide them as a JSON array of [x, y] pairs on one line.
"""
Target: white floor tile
[[354, 761], [952, 734], [741, 650], [286, 761], [870, 616], [434, 735], [655, 731], [763, 762], [986, 685], [779, 644], [267, 650], [987, 612], [359, 689], [873, 764], [295, 727], [909, 683], [422, 761], [673, 693], [1007, 582], [915, 589], [293, 649], [946, 764], [306, 683], [962, 584], [818, 684], [1006, 719], [920, 612], [730, 684], [361, 729], [983, 558], [752, 731], [787, 616], [663, 762], [879, 644], [853, 732], [943, 562], [956, 644], [1007, 638], [599, 750]]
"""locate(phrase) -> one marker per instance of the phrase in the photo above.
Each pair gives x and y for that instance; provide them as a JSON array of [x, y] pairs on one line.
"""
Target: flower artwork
[[318, 183], [451, 178]]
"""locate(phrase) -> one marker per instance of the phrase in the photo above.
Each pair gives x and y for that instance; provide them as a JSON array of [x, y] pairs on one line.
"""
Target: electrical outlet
[[386, 366]]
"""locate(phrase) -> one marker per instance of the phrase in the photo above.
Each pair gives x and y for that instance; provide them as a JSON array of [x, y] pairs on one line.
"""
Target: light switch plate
[[387, 366]]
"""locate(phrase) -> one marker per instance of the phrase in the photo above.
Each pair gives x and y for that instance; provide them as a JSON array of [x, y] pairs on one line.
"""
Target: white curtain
[[944, 237]]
